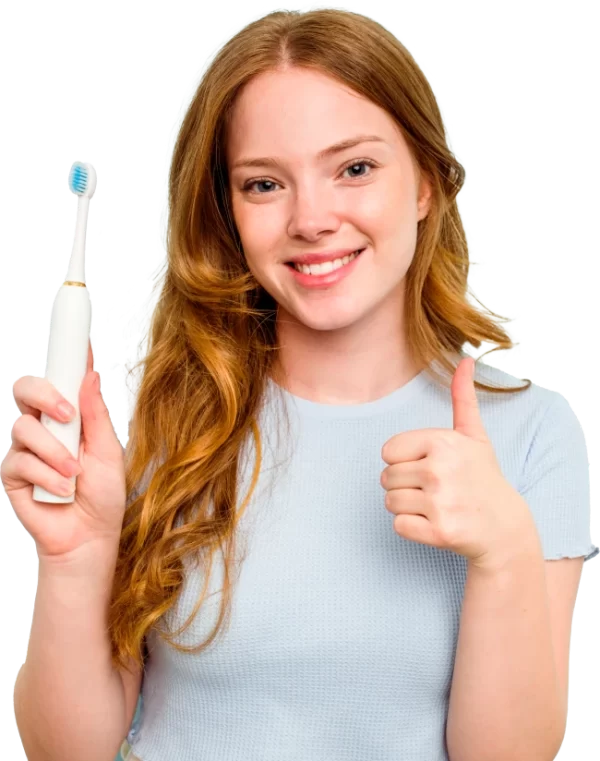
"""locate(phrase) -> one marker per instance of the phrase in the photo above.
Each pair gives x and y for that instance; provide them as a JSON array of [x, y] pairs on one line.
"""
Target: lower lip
[[328, 278]]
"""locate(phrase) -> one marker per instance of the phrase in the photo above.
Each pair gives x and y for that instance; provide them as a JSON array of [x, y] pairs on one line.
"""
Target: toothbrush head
[[82, 179]]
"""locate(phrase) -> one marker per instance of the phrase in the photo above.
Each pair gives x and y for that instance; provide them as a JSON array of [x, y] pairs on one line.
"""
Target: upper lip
[[325, 256]]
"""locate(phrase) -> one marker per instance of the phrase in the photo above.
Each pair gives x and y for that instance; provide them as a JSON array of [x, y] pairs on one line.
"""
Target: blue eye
[[358, 163], [264, 180], [248, 185]]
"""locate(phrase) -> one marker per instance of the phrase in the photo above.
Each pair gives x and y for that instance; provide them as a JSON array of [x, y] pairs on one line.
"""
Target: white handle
[[66, 366]]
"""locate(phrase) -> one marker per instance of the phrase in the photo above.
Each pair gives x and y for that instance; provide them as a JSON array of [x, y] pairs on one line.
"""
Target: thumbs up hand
[[446, 488]]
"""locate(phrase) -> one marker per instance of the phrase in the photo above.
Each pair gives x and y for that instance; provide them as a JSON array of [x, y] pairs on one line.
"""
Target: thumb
[[97, 431], [467, 417]]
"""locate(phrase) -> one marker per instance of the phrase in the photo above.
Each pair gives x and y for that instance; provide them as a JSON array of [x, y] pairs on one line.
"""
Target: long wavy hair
[[212, 339]]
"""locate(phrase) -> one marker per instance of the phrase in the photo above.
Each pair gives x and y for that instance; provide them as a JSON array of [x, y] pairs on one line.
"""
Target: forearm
[[69, 700], [505, 702]]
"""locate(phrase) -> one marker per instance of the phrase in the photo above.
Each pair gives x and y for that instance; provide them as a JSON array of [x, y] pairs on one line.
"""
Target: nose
[[313, 213]]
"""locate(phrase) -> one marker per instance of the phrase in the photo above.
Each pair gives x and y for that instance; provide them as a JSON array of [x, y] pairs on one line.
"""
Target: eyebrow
[[325, 153]]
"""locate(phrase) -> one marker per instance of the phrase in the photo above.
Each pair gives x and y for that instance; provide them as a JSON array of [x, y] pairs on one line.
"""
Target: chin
[[327, 322]]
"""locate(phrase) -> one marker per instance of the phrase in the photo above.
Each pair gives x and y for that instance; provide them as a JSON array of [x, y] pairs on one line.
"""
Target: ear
[[424, 196]]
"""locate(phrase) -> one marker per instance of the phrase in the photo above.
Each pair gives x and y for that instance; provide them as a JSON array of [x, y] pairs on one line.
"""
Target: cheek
[[386, 212], [394, 234], [260, 246], [258, 227]]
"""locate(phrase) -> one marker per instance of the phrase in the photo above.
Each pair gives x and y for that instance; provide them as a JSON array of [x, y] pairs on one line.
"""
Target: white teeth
[[325, 267]]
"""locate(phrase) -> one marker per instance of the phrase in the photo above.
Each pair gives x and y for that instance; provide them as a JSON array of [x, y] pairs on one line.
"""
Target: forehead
[[298, 111]]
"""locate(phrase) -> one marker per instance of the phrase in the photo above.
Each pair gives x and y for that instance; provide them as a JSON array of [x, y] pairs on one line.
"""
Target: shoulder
[[531, 422], [534, 402]]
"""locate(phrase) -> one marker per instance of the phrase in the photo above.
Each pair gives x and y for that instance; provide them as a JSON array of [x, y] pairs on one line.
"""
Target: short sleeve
[[555, 483]]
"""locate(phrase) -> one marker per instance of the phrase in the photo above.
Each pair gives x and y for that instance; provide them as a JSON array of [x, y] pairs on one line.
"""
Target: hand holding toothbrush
[[37, 457], [45, 445]]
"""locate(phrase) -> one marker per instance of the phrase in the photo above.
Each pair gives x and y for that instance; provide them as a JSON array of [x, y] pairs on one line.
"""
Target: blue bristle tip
[[78, 179]]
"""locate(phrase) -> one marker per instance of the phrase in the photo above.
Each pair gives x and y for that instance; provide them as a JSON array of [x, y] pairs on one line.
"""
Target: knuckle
[[444, 440], [18, 384], [18, 426], [432, 477], [447, 532], [19, 460], [432, 483]]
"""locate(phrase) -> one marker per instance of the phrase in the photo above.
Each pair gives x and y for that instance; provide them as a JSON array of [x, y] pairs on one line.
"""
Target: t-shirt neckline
[[385, 403]]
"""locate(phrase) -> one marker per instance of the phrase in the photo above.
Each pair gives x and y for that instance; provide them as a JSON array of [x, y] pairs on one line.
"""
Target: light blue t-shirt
[[343, 634]]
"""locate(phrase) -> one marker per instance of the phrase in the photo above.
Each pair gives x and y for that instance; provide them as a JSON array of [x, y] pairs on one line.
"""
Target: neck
[[344, 366]]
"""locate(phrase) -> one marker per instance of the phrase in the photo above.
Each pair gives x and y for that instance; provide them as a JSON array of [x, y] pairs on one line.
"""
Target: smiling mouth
[[325, 267]]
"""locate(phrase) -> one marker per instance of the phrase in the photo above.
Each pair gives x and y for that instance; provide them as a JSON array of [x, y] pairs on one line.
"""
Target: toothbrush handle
[[66, 367]]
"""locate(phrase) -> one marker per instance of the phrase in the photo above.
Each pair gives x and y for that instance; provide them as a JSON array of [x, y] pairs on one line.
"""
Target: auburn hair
[[212, 339]]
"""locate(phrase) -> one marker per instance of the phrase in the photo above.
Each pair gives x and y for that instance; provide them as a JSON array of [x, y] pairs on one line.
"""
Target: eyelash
[[246, 187]]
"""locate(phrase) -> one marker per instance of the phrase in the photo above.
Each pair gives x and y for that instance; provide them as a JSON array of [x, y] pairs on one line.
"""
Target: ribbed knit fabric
[[343, 634]]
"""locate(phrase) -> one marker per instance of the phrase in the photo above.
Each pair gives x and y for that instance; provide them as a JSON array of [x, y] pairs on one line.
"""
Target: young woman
[[325, 540]]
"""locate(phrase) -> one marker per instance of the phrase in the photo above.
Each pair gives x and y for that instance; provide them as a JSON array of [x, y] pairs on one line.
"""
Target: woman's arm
[[505, 702]]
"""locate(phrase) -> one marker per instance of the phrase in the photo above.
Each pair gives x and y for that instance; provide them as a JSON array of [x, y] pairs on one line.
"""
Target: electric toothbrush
[[70, 323]]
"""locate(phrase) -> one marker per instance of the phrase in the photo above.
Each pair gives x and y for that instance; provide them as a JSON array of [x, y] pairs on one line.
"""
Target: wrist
[[93, 558], [524, 551]]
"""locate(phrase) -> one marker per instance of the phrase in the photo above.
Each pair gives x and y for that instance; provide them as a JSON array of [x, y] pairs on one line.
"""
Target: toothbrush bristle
[[78, 179]]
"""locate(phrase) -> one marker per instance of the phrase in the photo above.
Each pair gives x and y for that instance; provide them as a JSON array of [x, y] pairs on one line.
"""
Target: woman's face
[[312, 204]]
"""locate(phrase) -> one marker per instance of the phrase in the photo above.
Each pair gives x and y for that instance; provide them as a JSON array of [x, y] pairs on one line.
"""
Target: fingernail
[[66, 410], [74, 468], [67, 488]]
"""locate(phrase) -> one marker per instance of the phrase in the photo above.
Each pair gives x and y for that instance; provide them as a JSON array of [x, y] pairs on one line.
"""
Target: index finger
[[27, 408], [413, 445]]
